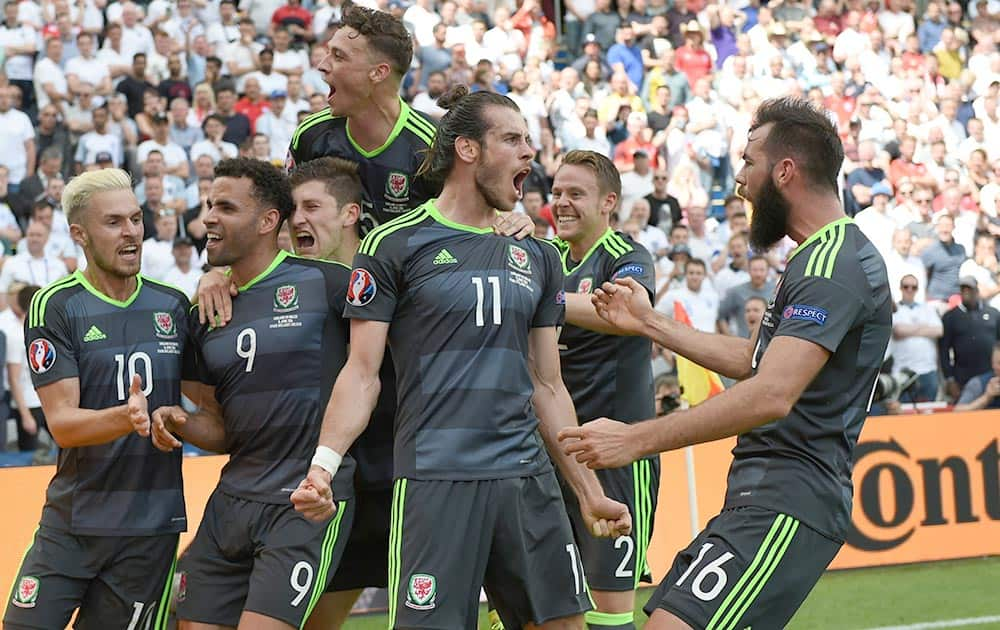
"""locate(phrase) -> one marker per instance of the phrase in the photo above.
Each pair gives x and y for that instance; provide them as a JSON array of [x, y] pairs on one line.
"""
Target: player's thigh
[[439, 544], [332, 610], [215, 569], [619, 564], [749, 567], [365, 560], [52, 580], [535, 574], [295, 561], [133, 590]]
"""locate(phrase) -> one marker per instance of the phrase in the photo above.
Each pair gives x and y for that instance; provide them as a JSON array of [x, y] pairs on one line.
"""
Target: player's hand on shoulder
[[314, 496], [601, 443], [516, 224], [138, 407], [165, 421], [607, 518], [624, 304], [216, 291]]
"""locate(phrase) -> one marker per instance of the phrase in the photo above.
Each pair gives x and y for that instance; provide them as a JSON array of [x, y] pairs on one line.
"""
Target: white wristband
[[327, 459]]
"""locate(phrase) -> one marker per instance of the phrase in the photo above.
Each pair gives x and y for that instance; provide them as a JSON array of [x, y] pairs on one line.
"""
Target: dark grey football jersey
[[388, 173], [273, 368], [461, 302], [834, 293], [607, 375], [126, 487]]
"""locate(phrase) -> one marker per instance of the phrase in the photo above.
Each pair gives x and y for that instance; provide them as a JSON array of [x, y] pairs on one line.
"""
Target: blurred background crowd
[[667, 88]]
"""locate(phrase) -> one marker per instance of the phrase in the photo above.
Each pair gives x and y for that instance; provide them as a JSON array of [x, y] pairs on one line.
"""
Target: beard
[[489, 189], [770, 217]]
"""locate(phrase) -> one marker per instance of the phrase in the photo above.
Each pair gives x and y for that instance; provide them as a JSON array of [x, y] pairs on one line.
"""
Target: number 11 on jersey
[[494, 282]]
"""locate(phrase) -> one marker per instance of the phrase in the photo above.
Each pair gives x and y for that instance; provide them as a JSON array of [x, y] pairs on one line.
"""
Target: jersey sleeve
[[819, 310], [637, 264], [52, 355], [194, 367], [551, 309], [373, 288]]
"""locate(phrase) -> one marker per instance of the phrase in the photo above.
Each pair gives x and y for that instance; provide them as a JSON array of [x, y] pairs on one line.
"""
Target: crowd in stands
[[667, 88]]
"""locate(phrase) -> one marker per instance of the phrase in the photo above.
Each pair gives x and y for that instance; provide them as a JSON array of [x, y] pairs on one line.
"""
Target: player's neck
[[461, 202], [819, 211], [253, 264], [346, 250], [118, 288], [371, 128], [578, 249]]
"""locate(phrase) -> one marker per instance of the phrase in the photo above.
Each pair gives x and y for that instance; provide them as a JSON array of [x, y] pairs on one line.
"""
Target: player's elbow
[[775, 402]]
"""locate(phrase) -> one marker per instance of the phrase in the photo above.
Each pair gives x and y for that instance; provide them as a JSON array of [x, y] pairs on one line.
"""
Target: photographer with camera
[[916, 327]]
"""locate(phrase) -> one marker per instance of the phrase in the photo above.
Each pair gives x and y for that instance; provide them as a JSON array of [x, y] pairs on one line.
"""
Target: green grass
[[870, 598]]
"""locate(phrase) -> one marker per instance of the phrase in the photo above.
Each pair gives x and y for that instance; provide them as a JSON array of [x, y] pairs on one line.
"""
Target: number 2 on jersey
[[494, 282], [133, 369]]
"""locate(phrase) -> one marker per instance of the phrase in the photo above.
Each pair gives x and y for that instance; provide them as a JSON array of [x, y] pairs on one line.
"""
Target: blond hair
[[76, 196]]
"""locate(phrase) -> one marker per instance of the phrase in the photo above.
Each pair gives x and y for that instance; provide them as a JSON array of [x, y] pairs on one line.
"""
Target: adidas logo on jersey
[[444, 257], [94, 334]]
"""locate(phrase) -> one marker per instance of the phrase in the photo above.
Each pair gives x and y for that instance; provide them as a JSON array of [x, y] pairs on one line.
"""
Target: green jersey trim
[[819, 234], [418, 122], [564, 251], [396, 546], [322, 260], [282, 254], [113, 302], [435, 214], [36, 312], [826, 254], [308, 123], [616, 246], [374, 238], [163, 608], [596, 618], [404, 113]]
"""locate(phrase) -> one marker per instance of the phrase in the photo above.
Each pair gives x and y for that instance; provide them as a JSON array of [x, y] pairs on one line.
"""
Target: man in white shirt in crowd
[[34, 265], [50, 81], [638, 182], [916, 327], [100, 140], [696, 296], [426, 100], [649, 236], [59, 244], [174, 157], [875, 222], [731, 265], [701, 241], [158, 248], [87, 68], [184, 274], [901, 261], [26, 408], [17, 137], [213, 145], [276, 126]]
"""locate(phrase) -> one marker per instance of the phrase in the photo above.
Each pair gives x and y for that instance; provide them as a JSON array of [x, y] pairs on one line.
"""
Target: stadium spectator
[[732, 308], [237, 125], [875, 222], [34, 265], [17, 137], [901, 262], [916, 327], [699, 300], [970, 331], [649, 236], [665, 210], [983, 391], [731, 266], [175, 159], [942, 259]]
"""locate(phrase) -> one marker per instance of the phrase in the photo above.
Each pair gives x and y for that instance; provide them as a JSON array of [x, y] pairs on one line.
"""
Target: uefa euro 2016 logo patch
[[361, 290], [805, 313], [41, 355]]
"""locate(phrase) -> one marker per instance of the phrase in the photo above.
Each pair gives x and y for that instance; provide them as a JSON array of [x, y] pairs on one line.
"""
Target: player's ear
[[609, 203], [467, 149], [270, 221], [379, 73], [77, 233], [350, 213]]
